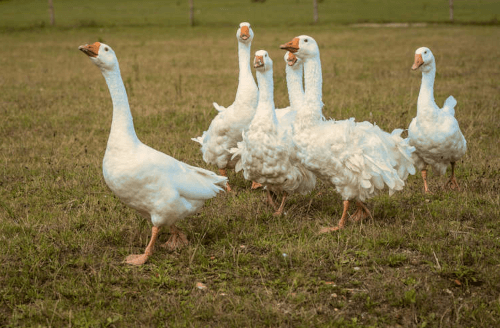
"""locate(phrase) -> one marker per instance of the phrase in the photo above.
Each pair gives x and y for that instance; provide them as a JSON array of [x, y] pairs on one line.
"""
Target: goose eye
[[305, 40], [425, 52], [266, 55], [106, 48]]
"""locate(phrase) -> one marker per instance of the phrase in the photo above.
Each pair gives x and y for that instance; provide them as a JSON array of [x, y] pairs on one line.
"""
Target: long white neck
[[122, 126], [247, 88], [265, 107], [311, 111], [426, 101], [294, 85]]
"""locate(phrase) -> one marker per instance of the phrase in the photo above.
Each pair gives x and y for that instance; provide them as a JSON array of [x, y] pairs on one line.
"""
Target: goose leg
[[424, 177], [452, 182], [341, 222], [177, 239], [282, 206], [140, 259], [223, 172], [271, 201], [362, 212]]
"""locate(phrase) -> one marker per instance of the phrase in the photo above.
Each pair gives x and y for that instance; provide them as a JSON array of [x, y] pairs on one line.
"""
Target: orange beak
[[245, 32], [292, 46], [418, 62], [291, 60], [258, 61], [91, 50]]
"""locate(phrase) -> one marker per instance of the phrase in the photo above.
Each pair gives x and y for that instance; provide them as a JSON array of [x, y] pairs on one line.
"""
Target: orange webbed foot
[[362, 212], [223, 172], [136, 259], [140, 259], [255, 185], [329, 229], [452, 184], [341, 222], [278, 213], [177, 239]]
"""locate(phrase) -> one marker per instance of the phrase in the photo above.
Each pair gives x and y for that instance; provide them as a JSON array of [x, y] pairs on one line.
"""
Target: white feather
[[267, 154], [157, 185], [225, 129], [358, 158], [434, 132]]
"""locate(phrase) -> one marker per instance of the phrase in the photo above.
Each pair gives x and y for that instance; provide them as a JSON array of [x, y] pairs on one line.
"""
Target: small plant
[[410, 297]]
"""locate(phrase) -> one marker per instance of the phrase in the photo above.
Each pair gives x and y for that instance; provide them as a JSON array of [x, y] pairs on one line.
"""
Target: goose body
[[358, 158], [158, 186], [266, 153], [434, 132], [225, 129]]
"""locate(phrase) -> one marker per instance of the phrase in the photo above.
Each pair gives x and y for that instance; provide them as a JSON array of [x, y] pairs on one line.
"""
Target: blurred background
[[94, 13]]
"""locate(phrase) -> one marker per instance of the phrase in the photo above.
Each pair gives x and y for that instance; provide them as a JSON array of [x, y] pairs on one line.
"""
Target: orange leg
[[282, 206], [140, 259], [341, 222], [271, 201], [362, 212], [223, 172], [424, 176], [177, 239], [452, 182]]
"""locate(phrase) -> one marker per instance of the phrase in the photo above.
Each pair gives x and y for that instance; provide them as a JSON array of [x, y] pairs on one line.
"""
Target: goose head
[[302, 46], [101, 55], [244, 33], [262, 62], [424, 59]]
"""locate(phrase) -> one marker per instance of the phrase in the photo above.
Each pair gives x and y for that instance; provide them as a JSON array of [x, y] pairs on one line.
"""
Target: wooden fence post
[[315, 3], [191, 12], [451, 10], [51, 12]]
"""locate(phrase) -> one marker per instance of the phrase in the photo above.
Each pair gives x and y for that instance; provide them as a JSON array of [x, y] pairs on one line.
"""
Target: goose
[[357, 158], [294, 76], [266, 153], [158, 186], [286, 116], [225, 129], [434, 132]]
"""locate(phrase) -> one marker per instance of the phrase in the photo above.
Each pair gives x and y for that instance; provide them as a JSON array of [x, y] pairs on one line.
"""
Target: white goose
[[294, 76], [225, 130], [158, 186], [286, 116], [294, 68], [266, 154], [359, 159], [434, 132]]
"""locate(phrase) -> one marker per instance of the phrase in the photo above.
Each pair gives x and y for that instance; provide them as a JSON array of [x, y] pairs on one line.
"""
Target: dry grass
[[424, 260]]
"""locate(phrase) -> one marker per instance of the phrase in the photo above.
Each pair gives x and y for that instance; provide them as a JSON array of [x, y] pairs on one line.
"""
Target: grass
[[424, 260]]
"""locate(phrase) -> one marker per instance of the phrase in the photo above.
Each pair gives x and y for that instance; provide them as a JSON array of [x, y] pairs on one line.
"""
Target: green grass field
[[423, 261]]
